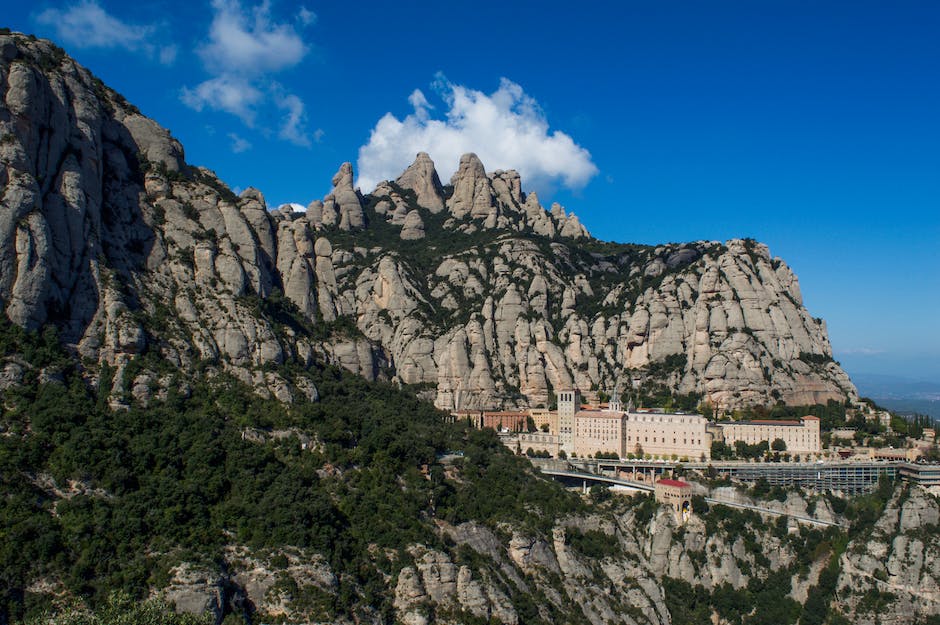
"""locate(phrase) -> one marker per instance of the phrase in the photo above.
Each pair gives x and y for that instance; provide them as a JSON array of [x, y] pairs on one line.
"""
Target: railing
[[849, 477]]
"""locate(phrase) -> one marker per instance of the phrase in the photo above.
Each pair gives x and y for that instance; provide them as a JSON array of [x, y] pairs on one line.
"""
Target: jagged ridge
[[473, 289]]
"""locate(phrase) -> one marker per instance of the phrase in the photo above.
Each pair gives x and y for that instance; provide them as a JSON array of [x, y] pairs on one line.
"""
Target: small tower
[[569, 403], [678, 496], [615, 405]]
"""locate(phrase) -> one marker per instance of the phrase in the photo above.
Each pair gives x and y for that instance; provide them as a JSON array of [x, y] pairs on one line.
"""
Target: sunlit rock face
[[474, 289]]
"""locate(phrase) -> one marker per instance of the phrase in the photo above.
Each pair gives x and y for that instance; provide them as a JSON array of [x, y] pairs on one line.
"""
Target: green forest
[[151, 487], [104, 502]]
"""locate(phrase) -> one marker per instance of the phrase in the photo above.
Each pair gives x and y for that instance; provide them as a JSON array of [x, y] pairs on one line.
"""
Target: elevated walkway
[[848, 477], [573, 477]]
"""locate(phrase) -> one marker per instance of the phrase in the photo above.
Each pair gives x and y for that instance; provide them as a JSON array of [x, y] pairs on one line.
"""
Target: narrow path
[[798, 517]]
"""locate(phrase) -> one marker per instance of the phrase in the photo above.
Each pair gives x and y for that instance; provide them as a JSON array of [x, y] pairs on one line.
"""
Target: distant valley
[[904, 395]]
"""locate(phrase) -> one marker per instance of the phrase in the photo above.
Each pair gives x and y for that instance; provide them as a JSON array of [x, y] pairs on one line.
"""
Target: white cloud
[[293, 128], [225, 93], [167, 55], [87, 25], [245, 48], [507, 129], [305, 16], [249, 44], [420, 104], [862, 351], [239, 144]]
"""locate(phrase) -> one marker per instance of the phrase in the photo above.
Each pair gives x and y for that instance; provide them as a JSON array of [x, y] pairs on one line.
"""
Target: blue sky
[[813, 127]]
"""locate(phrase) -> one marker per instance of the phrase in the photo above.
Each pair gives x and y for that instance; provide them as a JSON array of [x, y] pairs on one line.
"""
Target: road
[[646, 486]]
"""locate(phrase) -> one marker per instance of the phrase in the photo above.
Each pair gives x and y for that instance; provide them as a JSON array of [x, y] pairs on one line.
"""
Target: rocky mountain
[[625, 563], [472, 289], [367, 507], [194, 468], [892, 574]]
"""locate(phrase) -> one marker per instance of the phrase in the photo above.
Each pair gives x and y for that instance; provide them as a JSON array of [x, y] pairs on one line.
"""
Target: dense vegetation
[[767, 600], [142, 489], [99, 500], [122, 609]]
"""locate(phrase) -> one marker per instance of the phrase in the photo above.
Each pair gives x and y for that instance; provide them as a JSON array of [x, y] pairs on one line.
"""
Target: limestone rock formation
[[413, 227], [473, 192], [422, 178], [196, 591], [899, 561], [474, 289], [343, 207], [518, 577]]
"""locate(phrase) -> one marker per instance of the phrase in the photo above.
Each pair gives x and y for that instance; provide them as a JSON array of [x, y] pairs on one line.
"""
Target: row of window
[[646, 439]]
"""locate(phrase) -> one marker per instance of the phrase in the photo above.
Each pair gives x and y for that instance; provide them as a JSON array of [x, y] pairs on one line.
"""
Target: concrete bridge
[[848, 477], [574, 476]]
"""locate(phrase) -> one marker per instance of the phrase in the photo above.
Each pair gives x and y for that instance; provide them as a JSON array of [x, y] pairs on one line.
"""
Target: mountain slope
[[472, 290], [355, 509]]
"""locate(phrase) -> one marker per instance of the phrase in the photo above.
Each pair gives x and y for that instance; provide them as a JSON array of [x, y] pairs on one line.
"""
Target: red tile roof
[[676, 483]]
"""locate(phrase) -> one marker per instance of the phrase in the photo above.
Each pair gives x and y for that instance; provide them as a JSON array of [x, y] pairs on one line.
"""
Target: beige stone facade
[[538, 441], [888, 453], [666, 435], [800, 436], [586, 431], [647, 434], [543, 417], [598, 431]]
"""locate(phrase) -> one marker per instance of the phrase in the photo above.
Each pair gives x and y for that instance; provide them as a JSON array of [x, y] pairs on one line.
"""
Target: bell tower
[[569, 402]]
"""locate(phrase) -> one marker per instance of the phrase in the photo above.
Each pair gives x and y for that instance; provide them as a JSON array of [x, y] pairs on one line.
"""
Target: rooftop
[[674, 483], [763, 422], [600, 414]]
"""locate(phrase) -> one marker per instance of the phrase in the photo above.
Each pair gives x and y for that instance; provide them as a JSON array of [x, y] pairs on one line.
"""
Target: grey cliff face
[[474, 289], [900, 559], [421, 177], [496, 576]]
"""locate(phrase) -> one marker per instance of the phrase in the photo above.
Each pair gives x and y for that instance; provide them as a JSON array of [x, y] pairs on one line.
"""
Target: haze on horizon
[[812, 129]]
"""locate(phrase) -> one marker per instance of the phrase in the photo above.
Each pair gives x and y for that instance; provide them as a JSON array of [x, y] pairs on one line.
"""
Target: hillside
[[472, 292], [365, 507]]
